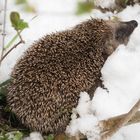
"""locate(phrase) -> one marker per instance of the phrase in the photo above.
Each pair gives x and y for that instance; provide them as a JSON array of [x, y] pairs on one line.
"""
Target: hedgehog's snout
[[133, 24], [124, 31]]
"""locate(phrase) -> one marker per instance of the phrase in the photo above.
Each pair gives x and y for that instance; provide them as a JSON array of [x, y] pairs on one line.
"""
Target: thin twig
[[3, 31], [10, 43], [18, 32], [20, 42]]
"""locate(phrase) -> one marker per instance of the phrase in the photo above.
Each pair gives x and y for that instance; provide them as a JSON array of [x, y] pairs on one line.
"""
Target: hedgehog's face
[[121, 33]]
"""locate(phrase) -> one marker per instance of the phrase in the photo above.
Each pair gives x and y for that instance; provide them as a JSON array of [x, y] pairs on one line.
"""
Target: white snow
[[105, 3], [84, 104], [34, 136], [86, 123], [120, 74]]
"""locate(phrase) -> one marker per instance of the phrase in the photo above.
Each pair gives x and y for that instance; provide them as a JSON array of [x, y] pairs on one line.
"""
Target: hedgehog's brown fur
[[47, 80]]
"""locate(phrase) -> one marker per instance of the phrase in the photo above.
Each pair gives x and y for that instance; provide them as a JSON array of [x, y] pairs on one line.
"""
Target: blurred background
[[49, 15], [46, 16]]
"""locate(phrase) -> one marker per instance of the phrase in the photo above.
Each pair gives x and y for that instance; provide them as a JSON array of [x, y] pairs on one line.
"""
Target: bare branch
[[20, 42], [3, 31]]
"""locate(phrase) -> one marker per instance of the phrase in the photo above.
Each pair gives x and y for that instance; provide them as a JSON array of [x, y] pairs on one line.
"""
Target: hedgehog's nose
[[134, 23]]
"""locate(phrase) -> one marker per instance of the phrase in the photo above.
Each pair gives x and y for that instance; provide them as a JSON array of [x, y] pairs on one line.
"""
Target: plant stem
[[3, 31], [18, 33], [20, 42], [12, 41]]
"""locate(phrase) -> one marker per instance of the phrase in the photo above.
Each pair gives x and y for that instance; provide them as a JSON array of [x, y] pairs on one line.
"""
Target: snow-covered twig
[[3, 30], [135, 119], [112, 125]]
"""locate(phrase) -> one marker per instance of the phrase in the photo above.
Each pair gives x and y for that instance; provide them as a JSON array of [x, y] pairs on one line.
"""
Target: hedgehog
[[47, 80]]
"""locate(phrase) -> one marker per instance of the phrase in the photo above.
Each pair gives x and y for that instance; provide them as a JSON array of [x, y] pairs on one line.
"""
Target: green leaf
[[14, 17], [84, 7], [18, 136], [5, 83], [29, 8], [17, 22], [21, 1], [3, 91], [126, 1], [26, 6], [50, 137], [22, 25], [3, 137], [10, 43]]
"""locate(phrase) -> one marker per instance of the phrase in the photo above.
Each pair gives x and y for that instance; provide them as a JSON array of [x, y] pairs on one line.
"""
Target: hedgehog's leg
[[77, 137], [63, 136], [98, 83]]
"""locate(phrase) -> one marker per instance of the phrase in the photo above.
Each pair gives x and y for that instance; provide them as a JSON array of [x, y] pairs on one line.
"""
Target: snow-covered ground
[[120, 74]]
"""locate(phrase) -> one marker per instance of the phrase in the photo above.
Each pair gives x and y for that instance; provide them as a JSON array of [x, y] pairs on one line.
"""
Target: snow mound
[[86, 123]]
